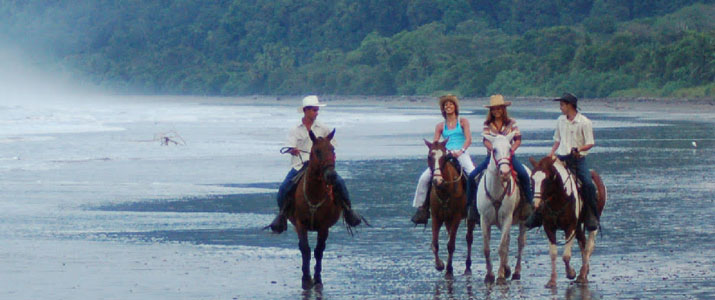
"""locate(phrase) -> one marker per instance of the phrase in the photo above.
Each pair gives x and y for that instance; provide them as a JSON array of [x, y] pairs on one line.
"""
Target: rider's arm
[[438, 131], [516, 144], [467, 134], [553, 149]]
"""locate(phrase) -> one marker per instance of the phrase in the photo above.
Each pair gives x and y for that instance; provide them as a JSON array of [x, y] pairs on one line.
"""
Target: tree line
[[596, 48]]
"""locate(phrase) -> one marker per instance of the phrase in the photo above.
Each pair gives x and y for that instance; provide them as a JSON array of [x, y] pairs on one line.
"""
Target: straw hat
[[311, 100], [449, 97], [497, 100]]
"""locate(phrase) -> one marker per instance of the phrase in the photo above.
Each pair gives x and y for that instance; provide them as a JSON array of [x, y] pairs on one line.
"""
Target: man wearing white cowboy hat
[[573, 138], [299, 145]]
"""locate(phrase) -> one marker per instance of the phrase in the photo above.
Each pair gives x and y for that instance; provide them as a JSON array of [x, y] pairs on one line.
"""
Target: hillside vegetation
[[595, 48]]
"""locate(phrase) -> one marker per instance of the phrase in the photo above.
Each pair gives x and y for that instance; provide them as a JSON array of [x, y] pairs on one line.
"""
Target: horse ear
[[330, 136], [510, 135], [532, 161], [429, 145], [312, 136], [489, 137]]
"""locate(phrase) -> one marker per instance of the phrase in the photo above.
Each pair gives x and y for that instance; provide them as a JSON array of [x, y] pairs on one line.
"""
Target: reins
[[445, 202], [285, 150], [313, 208]]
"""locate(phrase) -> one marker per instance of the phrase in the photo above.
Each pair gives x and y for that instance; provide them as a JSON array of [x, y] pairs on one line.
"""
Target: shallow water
[[93, 207]]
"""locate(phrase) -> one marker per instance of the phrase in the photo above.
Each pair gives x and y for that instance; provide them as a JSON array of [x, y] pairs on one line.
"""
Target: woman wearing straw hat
[[298, 145], [460, 137], [498, 122]]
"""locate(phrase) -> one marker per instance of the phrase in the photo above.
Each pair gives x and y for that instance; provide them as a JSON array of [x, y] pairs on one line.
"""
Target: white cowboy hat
[[497, 100], [311, 100]]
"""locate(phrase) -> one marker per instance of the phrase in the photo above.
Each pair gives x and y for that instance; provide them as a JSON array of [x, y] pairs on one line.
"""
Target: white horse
[[498, 198]]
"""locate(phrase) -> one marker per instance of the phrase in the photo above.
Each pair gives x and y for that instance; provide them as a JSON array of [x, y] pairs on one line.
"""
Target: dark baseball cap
[[569, 98]]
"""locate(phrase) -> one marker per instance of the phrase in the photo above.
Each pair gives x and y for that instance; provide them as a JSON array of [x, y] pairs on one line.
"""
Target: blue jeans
[[524, 180], [588, 190], [288, 186]]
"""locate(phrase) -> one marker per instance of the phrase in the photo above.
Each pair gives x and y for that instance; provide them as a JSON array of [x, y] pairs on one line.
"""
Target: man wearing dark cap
[[573, 138]]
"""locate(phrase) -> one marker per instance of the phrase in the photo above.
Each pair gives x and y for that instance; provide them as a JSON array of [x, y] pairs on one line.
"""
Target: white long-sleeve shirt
[[298, 138]]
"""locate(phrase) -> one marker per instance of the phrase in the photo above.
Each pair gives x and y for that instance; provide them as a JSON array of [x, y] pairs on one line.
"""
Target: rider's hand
[[294, 151]]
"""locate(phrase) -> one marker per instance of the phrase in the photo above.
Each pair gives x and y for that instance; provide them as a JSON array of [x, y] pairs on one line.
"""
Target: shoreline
[[685, 109]]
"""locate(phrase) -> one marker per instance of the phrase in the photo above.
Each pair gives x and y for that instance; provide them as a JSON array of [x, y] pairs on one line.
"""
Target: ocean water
[[93, 206]]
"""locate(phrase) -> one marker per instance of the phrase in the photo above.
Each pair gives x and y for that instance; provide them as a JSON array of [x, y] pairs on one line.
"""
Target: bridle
[[323, 165]]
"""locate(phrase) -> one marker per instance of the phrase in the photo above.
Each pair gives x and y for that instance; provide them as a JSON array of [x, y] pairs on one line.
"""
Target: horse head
[[543, 178], [322, 156], [501, 153], [436, 159]]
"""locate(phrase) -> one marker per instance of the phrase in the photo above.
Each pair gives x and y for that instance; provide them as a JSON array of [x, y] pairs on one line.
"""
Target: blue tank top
[[456, 136]]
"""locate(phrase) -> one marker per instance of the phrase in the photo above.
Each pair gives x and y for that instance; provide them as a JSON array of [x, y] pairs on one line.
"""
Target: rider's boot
[[473, 213], [351, 217], [534, 219], [591, 221], [280, 222], [422, 214]]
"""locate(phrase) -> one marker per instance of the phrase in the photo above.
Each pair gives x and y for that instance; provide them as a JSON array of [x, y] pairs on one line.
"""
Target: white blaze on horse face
[[538, 178], [436, 171], [502, 154]]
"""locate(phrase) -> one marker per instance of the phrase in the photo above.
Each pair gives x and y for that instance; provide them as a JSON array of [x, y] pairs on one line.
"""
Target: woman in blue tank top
[[460, 137]]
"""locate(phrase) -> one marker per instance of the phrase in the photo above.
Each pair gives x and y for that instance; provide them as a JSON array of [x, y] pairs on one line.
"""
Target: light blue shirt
[[456, 136]]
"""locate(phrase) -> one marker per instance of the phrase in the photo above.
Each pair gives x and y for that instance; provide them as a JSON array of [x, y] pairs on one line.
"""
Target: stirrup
[[421, 216], [352, 218], [534, 220], [279, 224]]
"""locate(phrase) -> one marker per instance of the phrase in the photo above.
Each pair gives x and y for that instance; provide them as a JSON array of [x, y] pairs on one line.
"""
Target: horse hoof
[[489, 278], [317, 281], [448, 275], [307, 283], [516, 276], [318, 286], [439, 266], [550, 285], [468, 272], [501, 281], [581, 280], [571, 274], [507, 272]]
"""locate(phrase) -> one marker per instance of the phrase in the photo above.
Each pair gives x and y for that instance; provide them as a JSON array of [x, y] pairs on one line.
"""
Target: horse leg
[[436, 225], [521, 242], [504, 270], [319, 248], [586, 257], [553, 253], [470, 239], [453, 226], [570, 272], [305, 253], [486, 234]]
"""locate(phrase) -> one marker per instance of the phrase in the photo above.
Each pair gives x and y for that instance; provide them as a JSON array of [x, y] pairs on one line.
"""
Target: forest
[[594, 48]]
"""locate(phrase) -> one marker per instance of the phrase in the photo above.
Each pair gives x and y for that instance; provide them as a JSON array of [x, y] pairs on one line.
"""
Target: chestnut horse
[[315, 206], [555, 196], [500, 203], [448, 203]]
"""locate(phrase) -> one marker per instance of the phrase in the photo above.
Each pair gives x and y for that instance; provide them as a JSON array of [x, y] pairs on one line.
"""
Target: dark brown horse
[[315, 206], [448, 204], [555, 195]]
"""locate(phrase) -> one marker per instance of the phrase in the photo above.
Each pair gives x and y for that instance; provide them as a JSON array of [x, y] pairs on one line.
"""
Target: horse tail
[[601, 192], [601, 195]]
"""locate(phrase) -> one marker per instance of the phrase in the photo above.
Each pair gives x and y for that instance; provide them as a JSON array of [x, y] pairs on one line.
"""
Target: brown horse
[[315, 206], [448, 204], [556, 186]]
